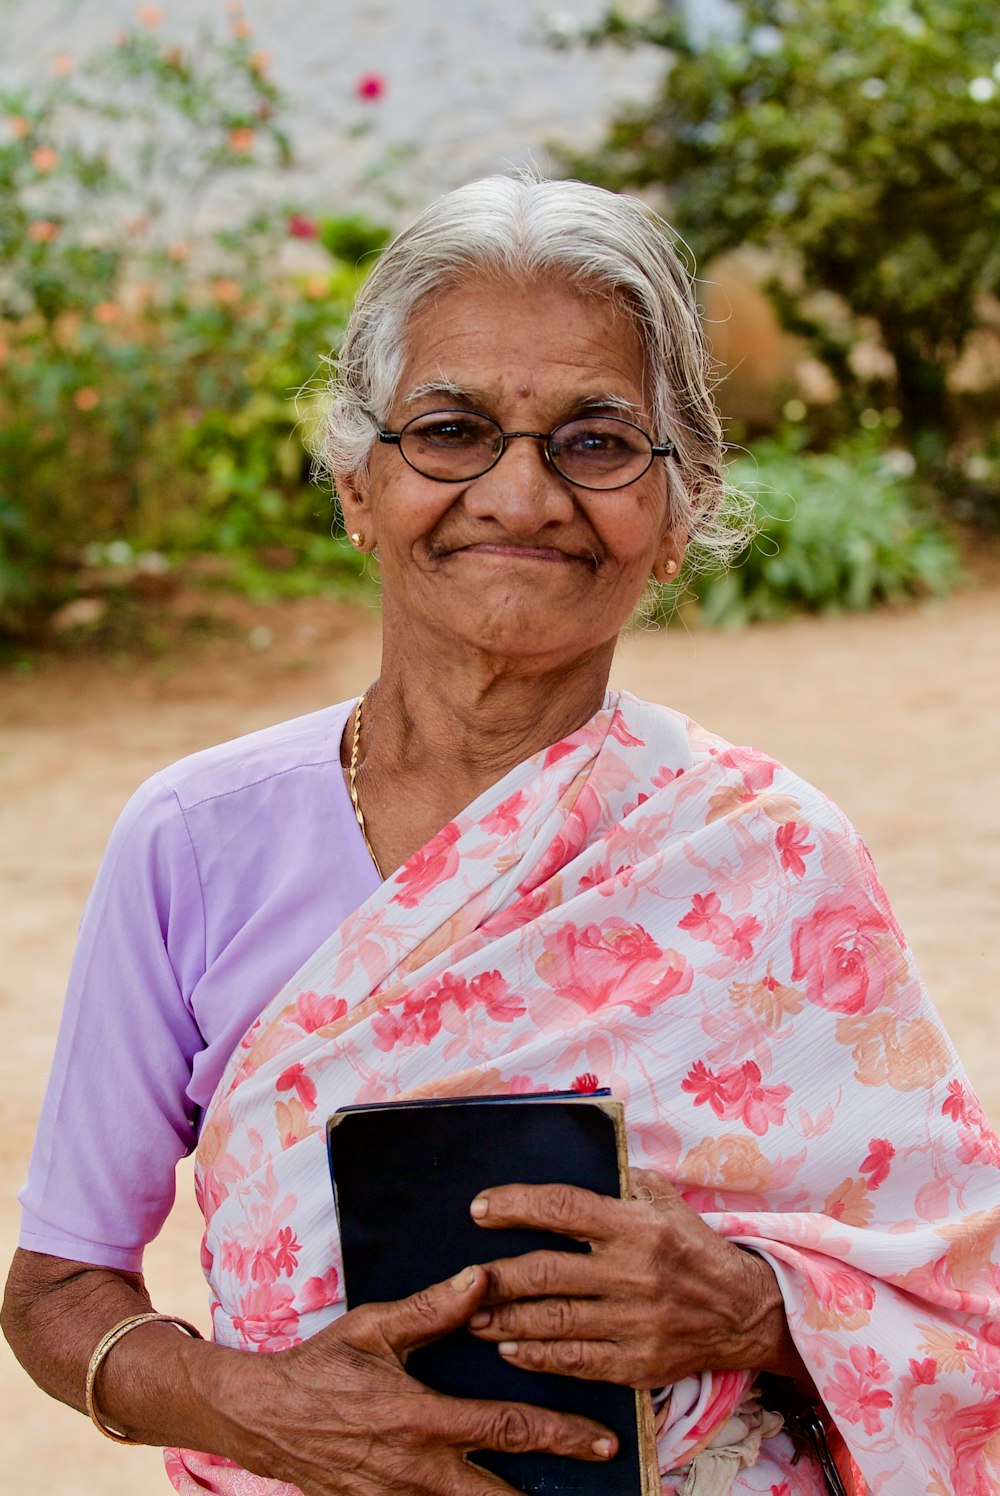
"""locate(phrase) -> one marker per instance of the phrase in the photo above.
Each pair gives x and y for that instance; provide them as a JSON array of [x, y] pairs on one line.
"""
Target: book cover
[[404, 1175]]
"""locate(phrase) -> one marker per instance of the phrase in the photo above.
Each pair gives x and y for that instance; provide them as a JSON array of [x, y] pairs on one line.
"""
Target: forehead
[[504, 342]]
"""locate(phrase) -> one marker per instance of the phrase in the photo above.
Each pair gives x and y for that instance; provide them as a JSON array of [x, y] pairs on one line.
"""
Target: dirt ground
[[896, 715]]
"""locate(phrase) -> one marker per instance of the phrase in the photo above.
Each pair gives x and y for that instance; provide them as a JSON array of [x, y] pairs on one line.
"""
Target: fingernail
[[480, 1319], [464, 1279], [479, 1207], [507, 1347], [602, 1448]]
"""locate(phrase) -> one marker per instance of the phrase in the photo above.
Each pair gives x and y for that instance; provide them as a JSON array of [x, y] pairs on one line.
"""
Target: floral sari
[[644, 907]]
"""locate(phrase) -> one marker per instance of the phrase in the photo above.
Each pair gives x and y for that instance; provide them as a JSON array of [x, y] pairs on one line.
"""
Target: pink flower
[[418, 1016], [841, 952], [594, 965], [265, 1316], [506, 818], [300, 227], [621, 734], [736, 1093], [843, 1295], [703, 918], [965, 1433], [876, 1164], [314, 1010], [295, 1079], [793, 843], [665, 776], [924, 1372], [433, 864], [706, 921], [754, 768], [370, 86], [852, 1392], [956, 1103], [586, 1083], [320, 1293]]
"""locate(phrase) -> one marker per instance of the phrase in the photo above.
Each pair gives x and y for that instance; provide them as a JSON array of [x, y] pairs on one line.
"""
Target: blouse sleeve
[[116, 1115]]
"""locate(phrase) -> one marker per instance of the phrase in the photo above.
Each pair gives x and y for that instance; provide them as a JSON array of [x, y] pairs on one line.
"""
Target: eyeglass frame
[[395, 438]]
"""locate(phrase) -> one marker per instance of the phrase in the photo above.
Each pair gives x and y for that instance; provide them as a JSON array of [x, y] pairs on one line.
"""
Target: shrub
[[841, 530], [861, 151], [148, 386]]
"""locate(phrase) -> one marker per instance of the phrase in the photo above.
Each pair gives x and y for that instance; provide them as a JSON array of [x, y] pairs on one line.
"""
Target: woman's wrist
[[768, 1340]]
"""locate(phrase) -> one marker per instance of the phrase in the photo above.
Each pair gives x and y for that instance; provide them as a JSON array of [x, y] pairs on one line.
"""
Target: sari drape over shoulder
[[644, 907]]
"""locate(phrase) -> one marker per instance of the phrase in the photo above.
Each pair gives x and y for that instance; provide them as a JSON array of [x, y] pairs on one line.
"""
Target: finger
[[514, 1428], [548, 1319], [550, 1207], [406, 1324], [652, 1187], [590, 1360], [543, 1275]]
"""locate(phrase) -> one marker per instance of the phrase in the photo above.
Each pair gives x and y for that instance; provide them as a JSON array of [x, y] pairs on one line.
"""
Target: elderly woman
[[493, 874]]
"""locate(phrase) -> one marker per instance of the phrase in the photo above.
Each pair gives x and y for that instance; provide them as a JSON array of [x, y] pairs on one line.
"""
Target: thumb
[[407, 1324]]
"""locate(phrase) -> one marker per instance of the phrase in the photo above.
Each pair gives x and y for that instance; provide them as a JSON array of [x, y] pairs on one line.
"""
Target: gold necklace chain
[[352, 775]]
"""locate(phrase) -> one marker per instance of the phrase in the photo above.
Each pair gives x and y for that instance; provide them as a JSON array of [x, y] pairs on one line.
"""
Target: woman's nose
[[523, 491]]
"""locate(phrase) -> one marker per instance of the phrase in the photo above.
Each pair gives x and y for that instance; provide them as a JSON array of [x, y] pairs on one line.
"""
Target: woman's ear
[[352, 495], [669, 557]]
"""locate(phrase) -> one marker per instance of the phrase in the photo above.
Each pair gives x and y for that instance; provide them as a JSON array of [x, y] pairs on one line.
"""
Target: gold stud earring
[[358, 538], [670, 567]]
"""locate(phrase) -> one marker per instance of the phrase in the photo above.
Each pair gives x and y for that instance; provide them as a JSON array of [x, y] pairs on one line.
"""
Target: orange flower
[[86, 399], [259, 61], [63, 64], [107, 313], [316, 287], [241, 140], [44, 158], [150, 15], [42, 230], [18, 127], [240, 27], [226, 291], [179, 251]]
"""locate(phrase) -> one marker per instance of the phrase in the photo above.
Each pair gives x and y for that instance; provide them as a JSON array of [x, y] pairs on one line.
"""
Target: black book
[[404, 1176]]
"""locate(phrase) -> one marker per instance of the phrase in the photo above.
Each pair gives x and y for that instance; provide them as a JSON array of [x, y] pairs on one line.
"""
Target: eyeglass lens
[[592, 451]]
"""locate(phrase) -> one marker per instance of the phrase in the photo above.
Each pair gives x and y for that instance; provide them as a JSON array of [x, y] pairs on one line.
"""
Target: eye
[[600, 440], [451, 430]]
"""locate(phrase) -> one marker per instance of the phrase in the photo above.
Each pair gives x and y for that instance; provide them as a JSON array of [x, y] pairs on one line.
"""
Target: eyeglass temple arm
[[392, 438]]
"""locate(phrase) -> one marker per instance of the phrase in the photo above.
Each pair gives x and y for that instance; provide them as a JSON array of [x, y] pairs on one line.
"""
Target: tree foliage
[[860, 146]]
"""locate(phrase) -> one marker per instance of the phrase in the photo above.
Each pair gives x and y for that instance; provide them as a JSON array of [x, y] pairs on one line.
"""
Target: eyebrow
[[477, 399]]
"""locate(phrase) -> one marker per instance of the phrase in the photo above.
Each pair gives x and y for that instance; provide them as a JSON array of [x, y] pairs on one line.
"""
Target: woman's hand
[[659, 1296], [338, 1413]]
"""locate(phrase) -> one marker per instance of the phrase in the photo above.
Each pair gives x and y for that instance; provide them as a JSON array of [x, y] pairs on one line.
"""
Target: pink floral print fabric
[[645, 907]]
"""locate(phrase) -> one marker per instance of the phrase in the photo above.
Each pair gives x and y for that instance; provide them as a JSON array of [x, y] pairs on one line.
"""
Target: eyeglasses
[[455, 446]]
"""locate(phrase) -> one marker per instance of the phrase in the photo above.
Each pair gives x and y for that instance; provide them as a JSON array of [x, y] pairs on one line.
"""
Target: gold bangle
[[104, 1345]]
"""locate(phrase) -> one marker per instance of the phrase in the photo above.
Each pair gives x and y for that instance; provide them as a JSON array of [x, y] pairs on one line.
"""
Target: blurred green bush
[[842, 530], [859, 147], [148, 383]]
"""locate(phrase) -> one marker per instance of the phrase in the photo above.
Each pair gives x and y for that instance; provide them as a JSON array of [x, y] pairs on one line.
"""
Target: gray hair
[[594, 239]]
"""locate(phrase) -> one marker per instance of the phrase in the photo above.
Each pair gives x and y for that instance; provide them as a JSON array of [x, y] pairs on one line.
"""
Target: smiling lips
[[515, 550]]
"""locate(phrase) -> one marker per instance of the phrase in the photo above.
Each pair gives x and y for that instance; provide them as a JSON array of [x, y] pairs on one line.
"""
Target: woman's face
[[518, 562]]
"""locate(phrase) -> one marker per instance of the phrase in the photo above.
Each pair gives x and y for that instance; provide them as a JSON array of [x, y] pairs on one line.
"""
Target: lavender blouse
[[223, 875]]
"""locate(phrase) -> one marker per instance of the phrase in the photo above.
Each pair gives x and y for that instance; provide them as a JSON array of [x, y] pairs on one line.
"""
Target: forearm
[[157, 1385]]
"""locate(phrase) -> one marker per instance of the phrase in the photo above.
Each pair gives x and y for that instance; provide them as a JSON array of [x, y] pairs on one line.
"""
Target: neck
[[437, 731], [476, 724]]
